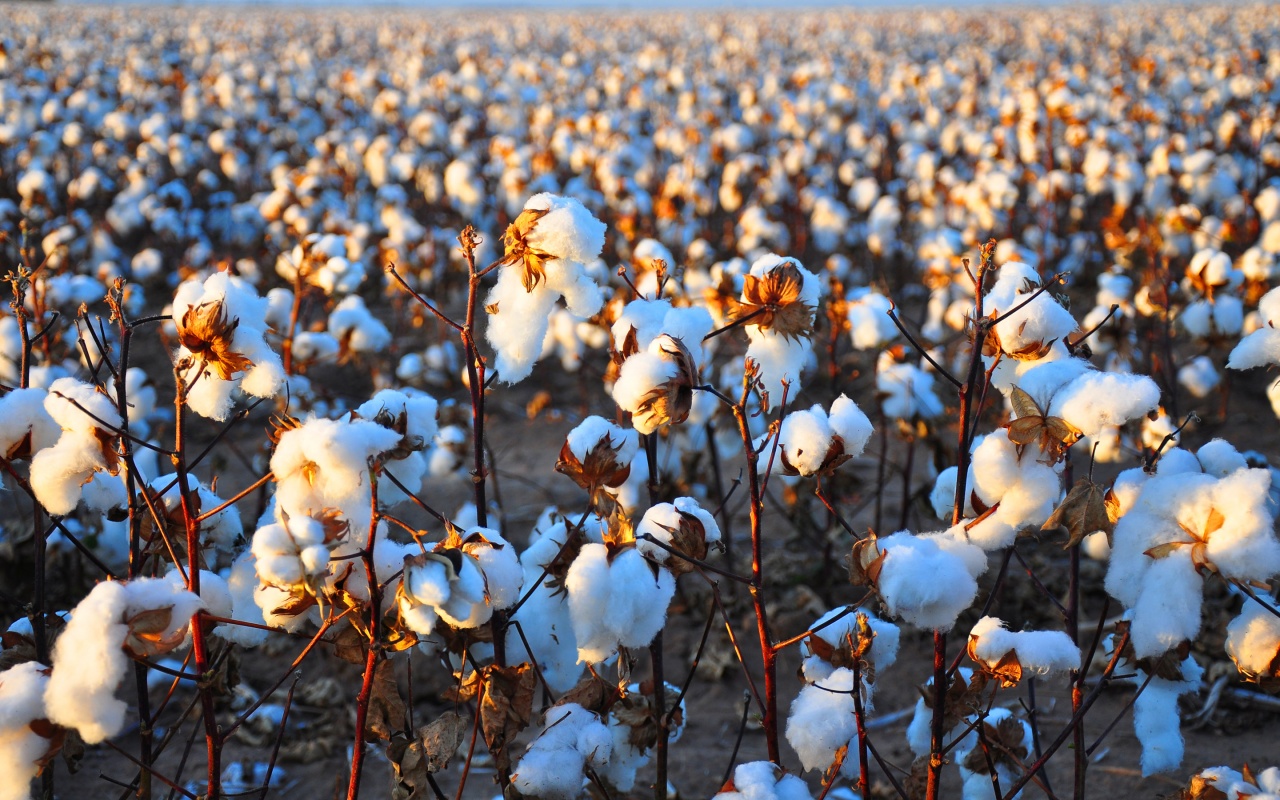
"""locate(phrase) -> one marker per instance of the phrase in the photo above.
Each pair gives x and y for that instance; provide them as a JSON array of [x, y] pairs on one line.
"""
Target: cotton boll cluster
[[324, 464], [814, 442], [1038, 652], [1012, 735], [927, 579], [616, 599], [220, 326], [460, 582], [547, 248], [323, 261], [147, 616], [86, 447], [1180, 526], [870, 327], [1030, 319], [572, 739], [763, 780], [632, 721], [294, 552]]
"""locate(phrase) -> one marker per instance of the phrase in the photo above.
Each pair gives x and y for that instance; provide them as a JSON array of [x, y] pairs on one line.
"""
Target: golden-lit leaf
[[386, 713], [1053, 435], [1088, 507], [506, 707]]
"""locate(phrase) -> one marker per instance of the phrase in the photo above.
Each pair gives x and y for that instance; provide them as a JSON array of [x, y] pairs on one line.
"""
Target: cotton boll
[[553, 766], [1262, 346], [545, 622], [779, 358], [943, 495], [324, 464], [882, 653], [1253, 640], [1199, 376], [498, 562], [1036, 323], [764, 780], [23, 414], [1095, 400], [822, 720], [1040, 652], [1156, 721], [679, 525], [22, 689], [1220, 458], [619, 601], [214, 591], [241, 583], [925, 584]]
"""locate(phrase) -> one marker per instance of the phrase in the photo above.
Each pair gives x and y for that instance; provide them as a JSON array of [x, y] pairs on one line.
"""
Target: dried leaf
[[386, 708], [506, 707], [592, 693], [441, 739], [1054, 435], [865, 562], [1088, 507]]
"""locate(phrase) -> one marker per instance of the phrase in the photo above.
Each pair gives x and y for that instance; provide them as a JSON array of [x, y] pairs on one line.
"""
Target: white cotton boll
[[1253, 639], [764, 780], [594, 431], [1220, 458], [664, 520], [354, 326], [1244, 547], [553, 766], [1035, 323], [1262, 346], [518, 326], [22, 690], [977, 786], [906, 390], [623, 602], [884, 647], [805, 440], [1095, 400], [1199, 376], [870, 327], [567, 231], [645, 317], [59, 473], [324, 464], [822, 720], [849, 422], [925, 584], [1040, 652], [641, 374], [995, 467], [241, 583], [79, 407], [544, 621], [1176, 461], [22, 414]]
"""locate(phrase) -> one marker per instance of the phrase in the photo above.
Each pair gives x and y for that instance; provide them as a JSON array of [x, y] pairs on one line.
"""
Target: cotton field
[[748, 405]]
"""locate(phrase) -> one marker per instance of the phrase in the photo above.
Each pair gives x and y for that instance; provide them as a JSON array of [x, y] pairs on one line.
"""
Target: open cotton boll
[[923, 583], [567, 230], [1199, 376], [764, 780], [822, 720], [59, 473], [977, 782], [1036, 323], [220, 325], [682, 525], [906, 390], [943, 495], [813, 442], [22, 690], [89, 660], [780, 358], [883, 651], [1253, 640], [498, 562], [595, 431], [548, 630], [22, 415], [553, 767], [1040, 652], [870, 327], [1261, 347], [355, 327], [1095, 400], [615, 602], [1156, 721], [1220, 458], [214, 591], [323, 464]]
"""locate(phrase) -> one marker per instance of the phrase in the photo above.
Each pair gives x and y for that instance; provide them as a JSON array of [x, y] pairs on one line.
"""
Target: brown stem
[[375, 634], [860, 716], [199, 625]]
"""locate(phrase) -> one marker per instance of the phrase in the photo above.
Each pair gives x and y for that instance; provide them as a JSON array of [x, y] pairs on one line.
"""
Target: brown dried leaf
[[865, 562], [1054, 435], [506, 707], [386, 708], [1088, 507], [593, 694], [440, 739]]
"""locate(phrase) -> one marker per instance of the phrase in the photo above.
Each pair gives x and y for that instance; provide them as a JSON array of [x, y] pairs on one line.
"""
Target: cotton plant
[[1260, 347], [145, 617], [634, 726], [220, 328], [546, 250], [823, 717], [1010, 743]]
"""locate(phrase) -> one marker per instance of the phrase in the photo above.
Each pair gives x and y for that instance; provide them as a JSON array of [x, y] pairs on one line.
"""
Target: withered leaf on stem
[[1089, 507], [592, 693], [1004, 746], [1008, 670], [441, 738], [963, 698], [1054, 435], [386, 707], [506, 707], [1167, 665]]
